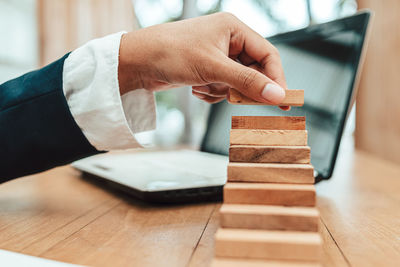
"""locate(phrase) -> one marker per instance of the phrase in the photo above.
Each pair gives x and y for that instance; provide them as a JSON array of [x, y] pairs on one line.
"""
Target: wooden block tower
[[268, 217]]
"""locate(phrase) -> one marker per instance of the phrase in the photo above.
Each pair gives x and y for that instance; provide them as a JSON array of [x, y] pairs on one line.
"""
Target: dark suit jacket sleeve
[[37, 130]]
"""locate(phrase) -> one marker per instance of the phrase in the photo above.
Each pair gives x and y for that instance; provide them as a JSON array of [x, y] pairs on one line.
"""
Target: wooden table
[[58, 215]]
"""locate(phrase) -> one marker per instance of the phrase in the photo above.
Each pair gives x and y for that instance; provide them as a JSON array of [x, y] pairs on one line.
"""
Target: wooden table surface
[[58, 215]]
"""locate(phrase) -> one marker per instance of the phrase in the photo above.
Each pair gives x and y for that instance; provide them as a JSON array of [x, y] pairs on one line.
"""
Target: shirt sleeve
[[91, 88]]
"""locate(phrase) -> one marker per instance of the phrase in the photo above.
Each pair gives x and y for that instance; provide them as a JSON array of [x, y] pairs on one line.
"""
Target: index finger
[[285, 108], [262, 51]]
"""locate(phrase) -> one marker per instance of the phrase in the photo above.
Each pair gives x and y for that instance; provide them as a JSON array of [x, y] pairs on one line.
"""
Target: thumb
[[251, 82]]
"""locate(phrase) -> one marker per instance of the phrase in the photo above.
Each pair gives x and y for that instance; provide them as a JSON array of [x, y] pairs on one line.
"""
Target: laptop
[[322, 59]]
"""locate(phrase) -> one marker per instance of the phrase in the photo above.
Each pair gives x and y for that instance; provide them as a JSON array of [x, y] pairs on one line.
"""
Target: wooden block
[[268, 137], [269, 122], [266, 217], [270, 154], [234, 262], [270, 194], [268, 245], [293, 98], [270, 173]]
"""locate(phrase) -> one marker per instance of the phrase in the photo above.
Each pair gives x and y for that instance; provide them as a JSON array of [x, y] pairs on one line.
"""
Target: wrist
[[129, 71]]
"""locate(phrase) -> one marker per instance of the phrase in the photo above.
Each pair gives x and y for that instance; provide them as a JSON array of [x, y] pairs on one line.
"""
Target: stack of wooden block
[[268, 217]]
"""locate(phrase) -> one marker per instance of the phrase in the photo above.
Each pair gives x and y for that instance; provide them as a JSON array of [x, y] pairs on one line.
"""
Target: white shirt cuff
[[90, 84]]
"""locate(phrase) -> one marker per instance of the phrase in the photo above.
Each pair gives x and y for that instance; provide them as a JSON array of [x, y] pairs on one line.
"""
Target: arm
[[100, 95], [69, 110], [37, 130]]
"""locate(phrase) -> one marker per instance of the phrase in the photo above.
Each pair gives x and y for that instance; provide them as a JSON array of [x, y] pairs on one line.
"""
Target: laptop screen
[[321, 59]]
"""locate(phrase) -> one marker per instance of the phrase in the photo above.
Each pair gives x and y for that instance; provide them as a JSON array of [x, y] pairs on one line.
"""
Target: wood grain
[[332, 255], [46, 207], [85, 223], [204, 251], [293, 98], [359, 207], [270, 173], [229, 262], [270, 194], [266, 217], [269, 122], [268, 137], [139, 234], [269, 245], [59, 216], [270, 154]]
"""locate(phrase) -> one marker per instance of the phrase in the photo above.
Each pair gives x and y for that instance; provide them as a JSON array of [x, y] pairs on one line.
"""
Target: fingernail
[[273, 93]]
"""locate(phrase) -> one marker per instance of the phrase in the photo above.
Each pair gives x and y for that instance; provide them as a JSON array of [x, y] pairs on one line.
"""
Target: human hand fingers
[[246, 47], [213, 89], [207, 98]]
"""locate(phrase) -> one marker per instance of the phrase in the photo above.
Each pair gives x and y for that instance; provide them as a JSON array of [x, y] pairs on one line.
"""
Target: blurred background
[[35, 32]]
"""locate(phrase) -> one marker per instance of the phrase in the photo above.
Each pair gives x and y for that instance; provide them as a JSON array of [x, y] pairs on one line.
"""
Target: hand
[[211, 53]]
